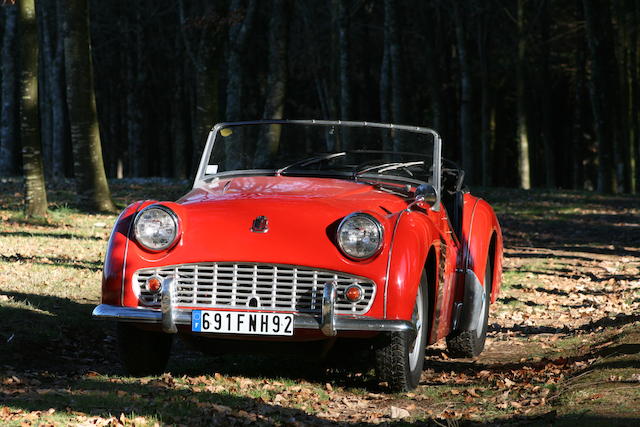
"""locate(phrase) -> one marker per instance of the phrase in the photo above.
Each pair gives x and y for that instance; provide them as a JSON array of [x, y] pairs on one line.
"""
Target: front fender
[[413, 236], [114, 259]]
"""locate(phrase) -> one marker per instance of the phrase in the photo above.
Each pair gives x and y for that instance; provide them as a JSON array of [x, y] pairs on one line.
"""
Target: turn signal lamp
[[354, 293], [154, 284]]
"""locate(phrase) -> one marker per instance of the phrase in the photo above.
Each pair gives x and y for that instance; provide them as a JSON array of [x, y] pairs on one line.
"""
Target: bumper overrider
[[328, 322]]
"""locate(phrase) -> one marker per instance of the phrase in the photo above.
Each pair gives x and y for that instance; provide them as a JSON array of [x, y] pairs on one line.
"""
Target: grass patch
[[610, 387]]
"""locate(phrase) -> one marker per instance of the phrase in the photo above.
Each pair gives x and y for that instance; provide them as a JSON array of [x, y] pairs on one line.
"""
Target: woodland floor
[[563, 345]]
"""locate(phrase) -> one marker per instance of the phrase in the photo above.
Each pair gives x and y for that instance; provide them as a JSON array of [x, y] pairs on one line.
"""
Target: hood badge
[[260, 225]]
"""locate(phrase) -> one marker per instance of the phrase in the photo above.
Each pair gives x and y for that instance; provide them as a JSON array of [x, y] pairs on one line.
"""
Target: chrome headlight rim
[[378, 226], [176, 228]]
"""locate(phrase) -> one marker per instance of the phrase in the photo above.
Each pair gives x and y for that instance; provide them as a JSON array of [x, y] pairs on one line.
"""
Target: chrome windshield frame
[[437, 144]]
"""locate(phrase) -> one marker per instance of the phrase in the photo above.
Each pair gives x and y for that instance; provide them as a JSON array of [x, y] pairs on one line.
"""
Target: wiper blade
[[388, 167], [311, 160], [399, 189]]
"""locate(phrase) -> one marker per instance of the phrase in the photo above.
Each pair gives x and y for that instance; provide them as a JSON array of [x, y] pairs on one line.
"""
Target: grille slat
[[234, 285]]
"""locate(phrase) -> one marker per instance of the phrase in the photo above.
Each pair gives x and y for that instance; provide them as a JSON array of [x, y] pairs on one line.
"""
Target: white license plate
[[234, 322]]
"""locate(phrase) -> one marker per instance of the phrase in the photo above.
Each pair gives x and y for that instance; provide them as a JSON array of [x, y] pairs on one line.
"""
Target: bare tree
[[466, 131], [522, 135], [343, 61], [8, 94], [91, 182], [482, 40], [200, 47], [391, 94], [603, 88], [35, 192], [237, 43], [53, 100], [276, 82], [548, 141]]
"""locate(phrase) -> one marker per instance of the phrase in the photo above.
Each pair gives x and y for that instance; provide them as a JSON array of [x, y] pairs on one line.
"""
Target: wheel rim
[[485, 297], [417, 317], [482, 314]]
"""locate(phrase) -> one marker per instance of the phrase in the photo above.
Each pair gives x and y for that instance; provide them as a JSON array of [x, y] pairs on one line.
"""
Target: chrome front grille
[[254, 285]]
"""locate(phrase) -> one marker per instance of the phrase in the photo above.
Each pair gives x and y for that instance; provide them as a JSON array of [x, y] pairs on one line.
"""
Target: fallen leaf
[[399, 413]]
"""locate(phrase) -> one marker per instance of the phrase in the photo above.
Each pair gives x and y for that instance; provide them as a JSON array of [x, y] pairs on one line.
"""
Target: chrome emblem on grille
[[260, 225]]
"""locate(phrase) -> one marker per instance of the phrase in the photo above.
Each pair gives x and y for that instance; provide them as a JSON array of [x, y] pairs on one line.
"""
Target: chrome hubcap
[[417, 317]]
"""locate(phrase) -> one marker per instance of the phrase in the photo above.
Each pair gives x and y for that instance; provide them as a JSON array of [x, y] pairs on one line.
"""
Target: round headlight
[[360, 235], [156, 227]]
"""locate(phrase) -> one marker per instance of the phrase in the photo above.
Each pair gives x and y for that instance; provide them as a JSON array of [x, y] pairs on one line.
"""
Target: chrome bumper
[[329, 323]]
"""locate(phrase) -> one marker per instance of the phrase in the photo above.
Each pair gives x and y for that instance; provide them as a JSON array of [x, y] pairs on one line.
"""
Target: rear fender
[[482, 238]]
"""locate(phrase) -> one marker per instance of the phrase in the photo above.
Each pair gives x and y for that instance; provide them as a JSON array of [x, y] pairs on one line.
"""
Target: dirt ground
[[563, 343]]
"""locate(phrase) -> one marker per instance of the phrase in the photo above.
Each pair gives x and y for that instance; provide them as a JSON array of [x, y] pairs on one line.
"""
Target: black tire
[[143, 352], [467, 344], [398, 357]]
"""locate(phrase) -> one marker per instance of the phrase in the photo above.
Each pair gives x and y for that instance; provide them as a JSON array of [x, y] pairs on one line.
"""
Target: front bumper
[[328, 322]]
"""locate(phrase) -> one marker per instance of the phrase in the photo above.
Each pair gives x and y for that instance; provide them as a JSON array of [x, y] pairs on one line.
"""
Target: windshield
[[349, 150]]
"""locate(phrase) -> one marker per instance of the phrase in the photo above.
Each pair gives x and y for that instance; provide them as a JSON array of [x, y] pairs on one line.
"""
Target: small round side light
[[354, 293], [154, 284]]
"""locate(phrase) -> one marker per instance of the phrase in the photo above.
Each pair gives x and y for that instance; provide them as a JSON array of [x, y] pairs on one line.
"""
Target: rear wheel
[[465, 344], [399, 357], [143, 352]]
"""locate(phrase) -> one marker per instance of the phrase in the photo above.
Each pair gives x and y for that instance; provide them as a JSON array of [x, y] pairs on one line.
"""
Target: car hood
[[302, 213], [326, 191]]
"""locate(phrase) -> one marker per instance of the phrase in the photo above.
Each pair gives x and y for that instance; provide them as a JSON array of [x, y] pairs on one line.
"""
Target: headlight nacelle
[[156, 228], [360, 235]]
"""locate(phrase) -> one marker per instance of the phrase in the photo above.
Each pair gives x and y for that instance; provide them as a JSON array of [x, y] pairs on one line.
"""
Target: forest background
[[526, 93]]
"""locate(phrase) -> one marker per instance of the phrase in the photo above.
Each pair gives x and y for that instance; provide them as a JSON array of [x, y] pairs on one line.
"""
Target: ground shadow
[[28, 234], [58, 261], [95, 395]]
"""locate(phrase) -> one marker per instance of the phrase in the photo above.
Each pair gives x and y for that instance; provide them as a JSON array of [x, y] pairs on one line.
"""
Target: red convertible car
[[308, 232]]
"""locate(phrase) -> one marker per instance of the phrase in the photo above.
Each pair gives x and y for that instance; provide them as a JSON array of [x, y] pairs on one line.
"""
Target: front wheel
[[466, 344], [143, 352], [399, 357]]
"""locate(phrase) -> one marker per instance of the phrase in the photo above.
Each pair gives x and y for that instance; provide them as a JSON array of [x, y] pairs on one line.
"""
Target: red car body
[[215, 227]]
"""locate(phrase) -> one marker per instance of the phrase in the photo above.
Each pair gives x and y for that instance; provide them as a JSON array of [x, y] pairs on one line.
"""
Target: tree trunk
[[276, 83], [277, 78], [206, 99], [35, 192], [395, 68], [602, 87], [57, 96], [91, 182], [8, 118], [577, 134], [547, 107], [485, 110], [466, 145], [53, 120], [179, 128], [635, 99], [625, 154], [136, 149], [44, 65], [343, 62], [237, 38], [384, 90], [524, 166], [433, 69]]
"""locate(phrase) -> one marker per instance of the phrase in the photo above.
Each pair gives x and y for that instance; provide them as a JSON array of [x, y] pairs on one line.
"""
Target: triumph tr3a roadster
[[308, 232]]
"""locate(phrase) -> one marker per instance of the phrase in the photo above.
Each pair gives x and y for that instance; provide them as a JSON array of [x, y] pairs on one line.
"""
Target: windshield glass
[[353, 151]]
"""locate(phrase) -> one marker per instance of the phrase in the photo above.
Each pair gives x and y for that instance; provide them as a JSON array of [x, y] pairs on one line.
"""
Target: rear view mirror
[[424, 194]]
